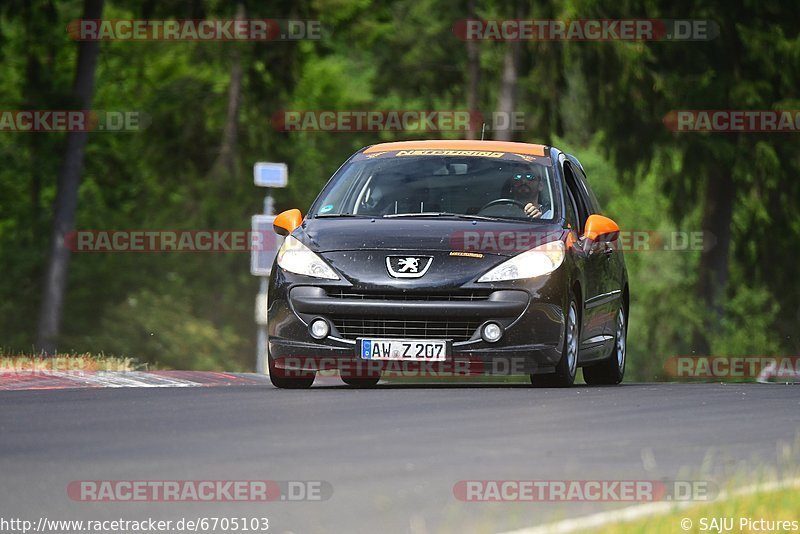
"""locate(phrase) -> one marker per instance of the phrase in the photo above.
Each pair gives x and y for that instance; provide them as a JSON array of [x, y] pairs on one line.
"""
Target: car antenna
[[483, 130]]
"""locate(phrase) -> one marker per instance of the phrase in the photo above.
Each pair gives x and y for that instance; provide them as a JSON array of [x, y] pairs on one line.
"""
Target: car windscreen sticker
[[466, 254], [542, 160], [434, 152], [326, 208]]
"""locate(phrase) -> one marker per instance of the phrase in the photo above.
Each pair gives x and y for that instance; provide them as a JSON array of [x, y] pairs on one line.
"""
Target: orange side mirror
[[599, 228], [286, 222]]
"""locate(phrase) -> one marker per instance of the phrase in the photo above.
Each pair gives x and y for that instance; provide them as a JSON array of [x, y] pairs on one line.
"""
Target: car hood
[[501, 238]]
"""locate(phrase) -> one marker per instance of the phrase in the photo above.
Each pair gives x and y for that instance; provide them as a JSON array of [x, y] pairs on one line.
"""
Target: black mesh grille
[[457, 330], [353, 294]]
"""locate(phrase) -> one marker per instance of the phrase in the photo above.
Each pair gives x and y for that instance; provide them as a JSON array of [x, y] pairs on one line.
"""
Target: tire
[[297, 380], [362, 381], [567, 367], [610, 372]]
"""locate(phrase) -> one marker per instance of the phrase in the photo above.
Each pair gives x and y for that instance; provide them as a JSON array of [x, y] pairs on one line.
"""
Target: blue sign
[[267, 174]]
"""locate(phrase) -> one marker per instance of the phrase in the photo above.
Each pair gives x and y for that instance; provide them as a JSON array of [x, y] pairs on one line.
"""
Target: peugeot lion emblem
[[408, 266]]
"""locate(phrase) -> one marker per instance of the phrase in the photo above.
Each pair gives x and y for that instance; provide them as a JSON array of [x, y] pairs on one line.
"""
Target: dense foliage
[[604, 101]]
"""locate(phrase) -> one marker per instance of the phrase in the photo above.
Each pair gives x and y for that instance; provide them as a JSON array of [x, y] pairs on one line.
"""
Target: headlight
[[295, 257], [543, 259]]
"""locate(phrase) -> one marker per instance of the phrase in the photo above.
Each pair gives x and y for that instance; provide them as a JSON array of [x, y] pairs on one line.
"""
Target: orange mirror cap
[[287, 221], [599, 228]]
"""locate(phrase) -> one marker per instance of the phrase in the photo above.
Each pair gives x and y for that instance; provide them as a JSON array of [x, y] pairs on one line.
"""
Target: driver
[[526, 188]]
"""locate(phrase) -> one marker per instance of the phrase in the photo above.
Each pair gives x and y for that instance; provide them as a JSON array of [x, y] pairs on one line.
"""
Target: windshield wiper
[[442, 214]]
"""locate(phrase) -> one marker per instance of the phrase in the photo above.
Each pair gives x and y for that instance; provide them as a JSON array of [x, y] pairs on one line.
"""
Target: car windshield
[[426, 186]]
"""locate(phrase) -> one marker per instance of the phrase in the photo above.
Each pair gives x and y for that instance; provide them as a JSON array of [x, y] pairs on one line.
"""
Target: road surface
[[391, 455]]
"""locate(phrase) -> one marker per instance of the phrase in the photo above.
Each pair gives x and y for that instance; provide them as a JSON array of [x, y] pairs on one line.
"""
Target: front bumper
[[531, 315]]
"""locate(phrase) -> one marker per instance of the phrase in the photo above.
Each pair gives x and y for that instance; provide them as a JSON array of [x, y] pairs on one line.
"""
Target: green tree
[[740, 181]]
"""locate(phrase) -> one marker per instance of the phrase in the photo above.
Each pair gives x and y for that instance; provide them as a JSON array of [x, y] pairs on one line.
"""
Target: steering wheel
[[516, 203]]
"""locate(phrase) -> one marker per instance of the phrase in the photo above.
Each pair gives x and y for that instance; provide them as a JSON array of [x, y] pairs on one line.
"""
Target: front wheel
[[610, 371], [567, 367], [289, 379]]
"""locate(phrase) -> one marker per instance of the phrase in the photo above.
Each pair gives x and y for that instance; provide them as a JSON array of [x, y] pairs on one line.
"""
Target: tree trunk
[[67, 196], [507, 96], [226, 159], [712, 280], [474, 77]]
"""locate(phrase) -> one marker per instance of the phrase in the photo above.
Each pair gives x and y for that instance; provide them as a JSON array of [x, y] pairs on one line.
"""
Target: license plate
[[427, 350]]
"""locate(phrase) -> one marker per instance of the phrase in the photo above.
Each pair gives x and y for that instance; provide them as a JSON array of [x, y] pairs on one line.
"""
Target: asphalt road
[[392, 455]]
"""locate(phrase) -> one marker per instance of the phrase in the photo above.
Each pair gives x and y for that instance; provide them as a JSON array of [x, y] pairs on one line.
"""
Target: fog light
[[491, 332], [319, 329]]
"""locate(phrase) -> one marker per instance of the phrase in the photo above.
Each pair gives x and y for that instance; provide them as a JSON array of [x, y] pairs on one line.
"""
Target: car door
[[609, 268], [593, 264]]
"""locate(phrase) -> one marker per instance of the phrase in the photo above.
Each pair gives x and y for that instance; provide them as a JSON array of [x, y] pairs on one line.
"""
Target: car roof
[[451, 144]]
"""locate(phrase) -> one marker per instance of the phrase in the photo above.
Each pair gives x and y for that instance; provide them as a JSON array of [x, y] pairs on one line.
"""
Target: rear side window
[[595, 205], [579, 197], [570, 212]]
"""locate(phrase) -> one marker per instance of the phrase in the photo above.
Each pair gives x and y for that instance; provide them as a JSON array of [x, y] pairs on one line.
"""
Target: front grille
[[447, 297], [457, 330]]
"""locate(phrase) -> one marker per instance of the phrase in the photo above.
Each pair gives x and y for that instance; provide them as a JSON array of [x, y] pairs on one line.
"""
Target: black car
[[460, 257]]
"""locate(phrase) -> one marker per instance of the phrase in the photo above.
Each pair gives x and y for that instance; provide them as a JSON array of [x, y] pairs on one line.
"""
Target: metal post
[[269, 204]]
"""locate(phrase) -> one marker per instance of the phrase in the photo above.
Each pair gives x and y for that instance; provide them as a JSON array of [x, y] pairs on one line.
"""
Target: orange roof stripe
[[494, 146]]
